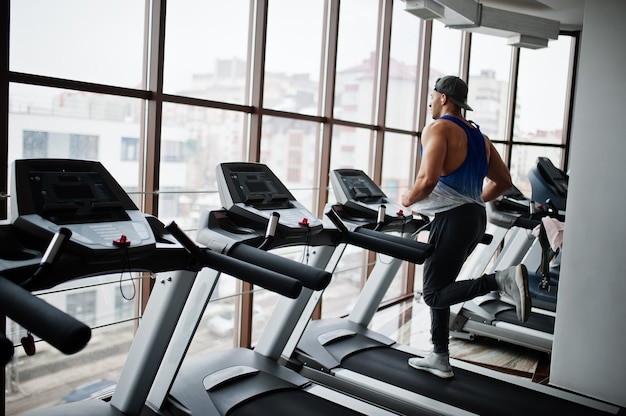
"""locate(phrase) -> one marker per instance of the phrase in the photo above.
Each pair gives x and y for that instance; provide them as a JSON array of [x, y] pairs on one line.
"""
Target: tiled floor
[[409, 323]]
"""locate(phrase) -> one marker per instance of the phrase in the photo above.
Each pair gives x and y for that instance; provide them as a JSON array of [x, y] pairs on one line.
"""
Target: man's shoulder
[[440, 127]]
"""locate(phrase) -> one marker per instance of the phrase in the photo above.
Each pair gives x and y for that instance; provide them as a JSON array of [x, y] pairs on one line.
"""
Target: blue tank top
[[468, 178]]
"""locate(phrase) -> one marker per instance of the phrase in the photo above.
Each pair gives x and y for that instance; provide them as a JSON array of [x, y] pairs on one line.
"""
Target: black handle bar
[[398, 247], [59, 329], [526, 223], [310, 277], [244, 270]]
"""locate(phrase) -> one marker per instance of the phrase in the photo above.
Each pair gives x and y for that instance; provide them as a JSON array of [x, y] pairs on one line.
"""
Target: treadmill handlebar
[[310, 277], [62, 331], [6, 350], [247, 270], [398, 247], [52, 253], [252, 273], [527, 223], [270, 231]]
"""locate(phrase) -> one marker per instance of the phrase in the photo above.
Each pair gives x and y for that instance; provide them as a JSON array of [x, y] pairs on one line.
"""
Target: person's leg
[[454, 234]]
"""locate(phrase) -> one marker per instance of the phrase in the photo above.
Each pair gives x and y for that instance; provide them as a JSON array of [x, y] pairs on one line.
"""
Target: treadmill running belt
[[539, 322], [470, 391], [290, 402]]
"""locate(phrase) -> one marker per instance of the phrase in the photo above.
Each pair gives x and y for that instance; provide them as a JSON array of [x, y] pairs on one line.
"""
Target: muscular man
[[456, 158]]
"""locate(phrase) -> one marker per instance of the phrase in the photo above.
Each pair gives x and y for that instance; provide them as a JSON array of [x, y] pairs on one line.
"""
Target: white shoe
[[514, 283], [436, 363]]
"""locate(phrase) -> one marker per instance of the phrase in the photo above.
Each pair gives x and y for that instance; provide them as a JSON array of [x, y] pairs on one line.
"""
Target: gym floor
[[409, 323]]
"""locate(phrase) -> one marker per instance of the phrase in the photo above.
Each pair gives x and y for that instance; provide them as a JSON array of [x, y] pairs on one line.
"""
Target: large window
[[490, 71], [396, 167], [403, 69], [357, 60], [290, 149], [206, 49], [293, 55], [74, 39], [445, 53], [542, 94]]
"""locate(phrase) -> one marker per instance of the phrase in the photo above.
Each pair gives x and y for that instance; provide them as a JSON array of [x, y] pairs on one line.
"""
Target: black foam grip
[[271, 280], [6, 349], [268, 279], [526, 223], [426, 248], [310, 277], [398, 247], [62, 331], [380, 245]]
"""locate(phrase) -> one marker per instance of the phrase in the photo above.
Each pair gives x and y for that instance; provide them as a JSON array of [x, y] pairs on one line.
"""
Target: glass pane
[[445, 52], [75, 39], [445, 55], [54, 123], [541, 92], [206, 49], [50, 377], [490, 67], [194, 141], [264, 303], [290, 148], [405, 42], [217, 326], [356, 60], [264, 300], [398, 155], [525, 157], [293, 55], [351, 149], [341, 294]]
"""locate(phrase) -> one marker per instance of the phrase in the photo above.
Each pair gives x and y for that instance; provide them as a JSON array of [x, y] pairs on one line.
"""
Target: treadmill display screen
[[361, 188], [257, 187], [260, 190], [74, 198]]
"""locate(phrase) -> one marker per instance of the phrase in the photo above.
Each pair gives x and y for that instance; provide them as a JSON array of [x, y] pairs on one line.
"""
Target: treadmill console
[[351, 185], [48, 194], [512, 201], [252, 191], [508, 208], [362, 198], [549, 183]]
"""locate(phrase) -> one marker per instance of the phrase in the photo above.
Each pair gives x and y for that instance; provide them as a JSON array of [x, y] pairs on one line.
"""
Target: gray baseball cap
[[456, 90]]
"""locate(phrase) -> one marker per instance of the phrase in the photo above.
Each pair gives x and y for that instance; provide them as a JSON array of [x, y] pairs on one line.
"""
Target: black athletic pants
[[455, 234]]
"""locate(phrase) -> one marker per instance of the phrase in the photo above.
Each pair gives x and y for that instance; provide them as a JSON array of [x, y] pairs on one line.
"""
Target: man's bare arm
[[498, 175], [434, 147]]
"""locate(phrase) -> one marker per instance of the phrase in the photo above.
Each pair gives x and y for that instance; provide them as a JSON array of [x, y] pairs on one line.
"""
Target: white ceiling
[[568, 12]]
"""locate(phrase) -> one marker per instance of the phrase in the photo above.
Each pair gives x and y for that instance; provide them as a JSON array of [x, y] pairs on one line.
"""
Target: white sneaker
[[514, 283], [436, 363]]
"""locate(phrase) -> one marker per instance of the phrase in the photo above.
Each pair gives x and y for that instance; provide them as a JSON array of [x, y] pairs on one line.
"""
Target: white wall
[[589, 353]]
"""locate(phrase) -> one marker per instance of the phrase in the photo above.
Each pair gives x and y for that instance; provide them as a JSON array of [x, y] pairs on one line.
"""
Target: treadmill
[[259, 211], [345, 354], [71, 219], [515, 216]]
